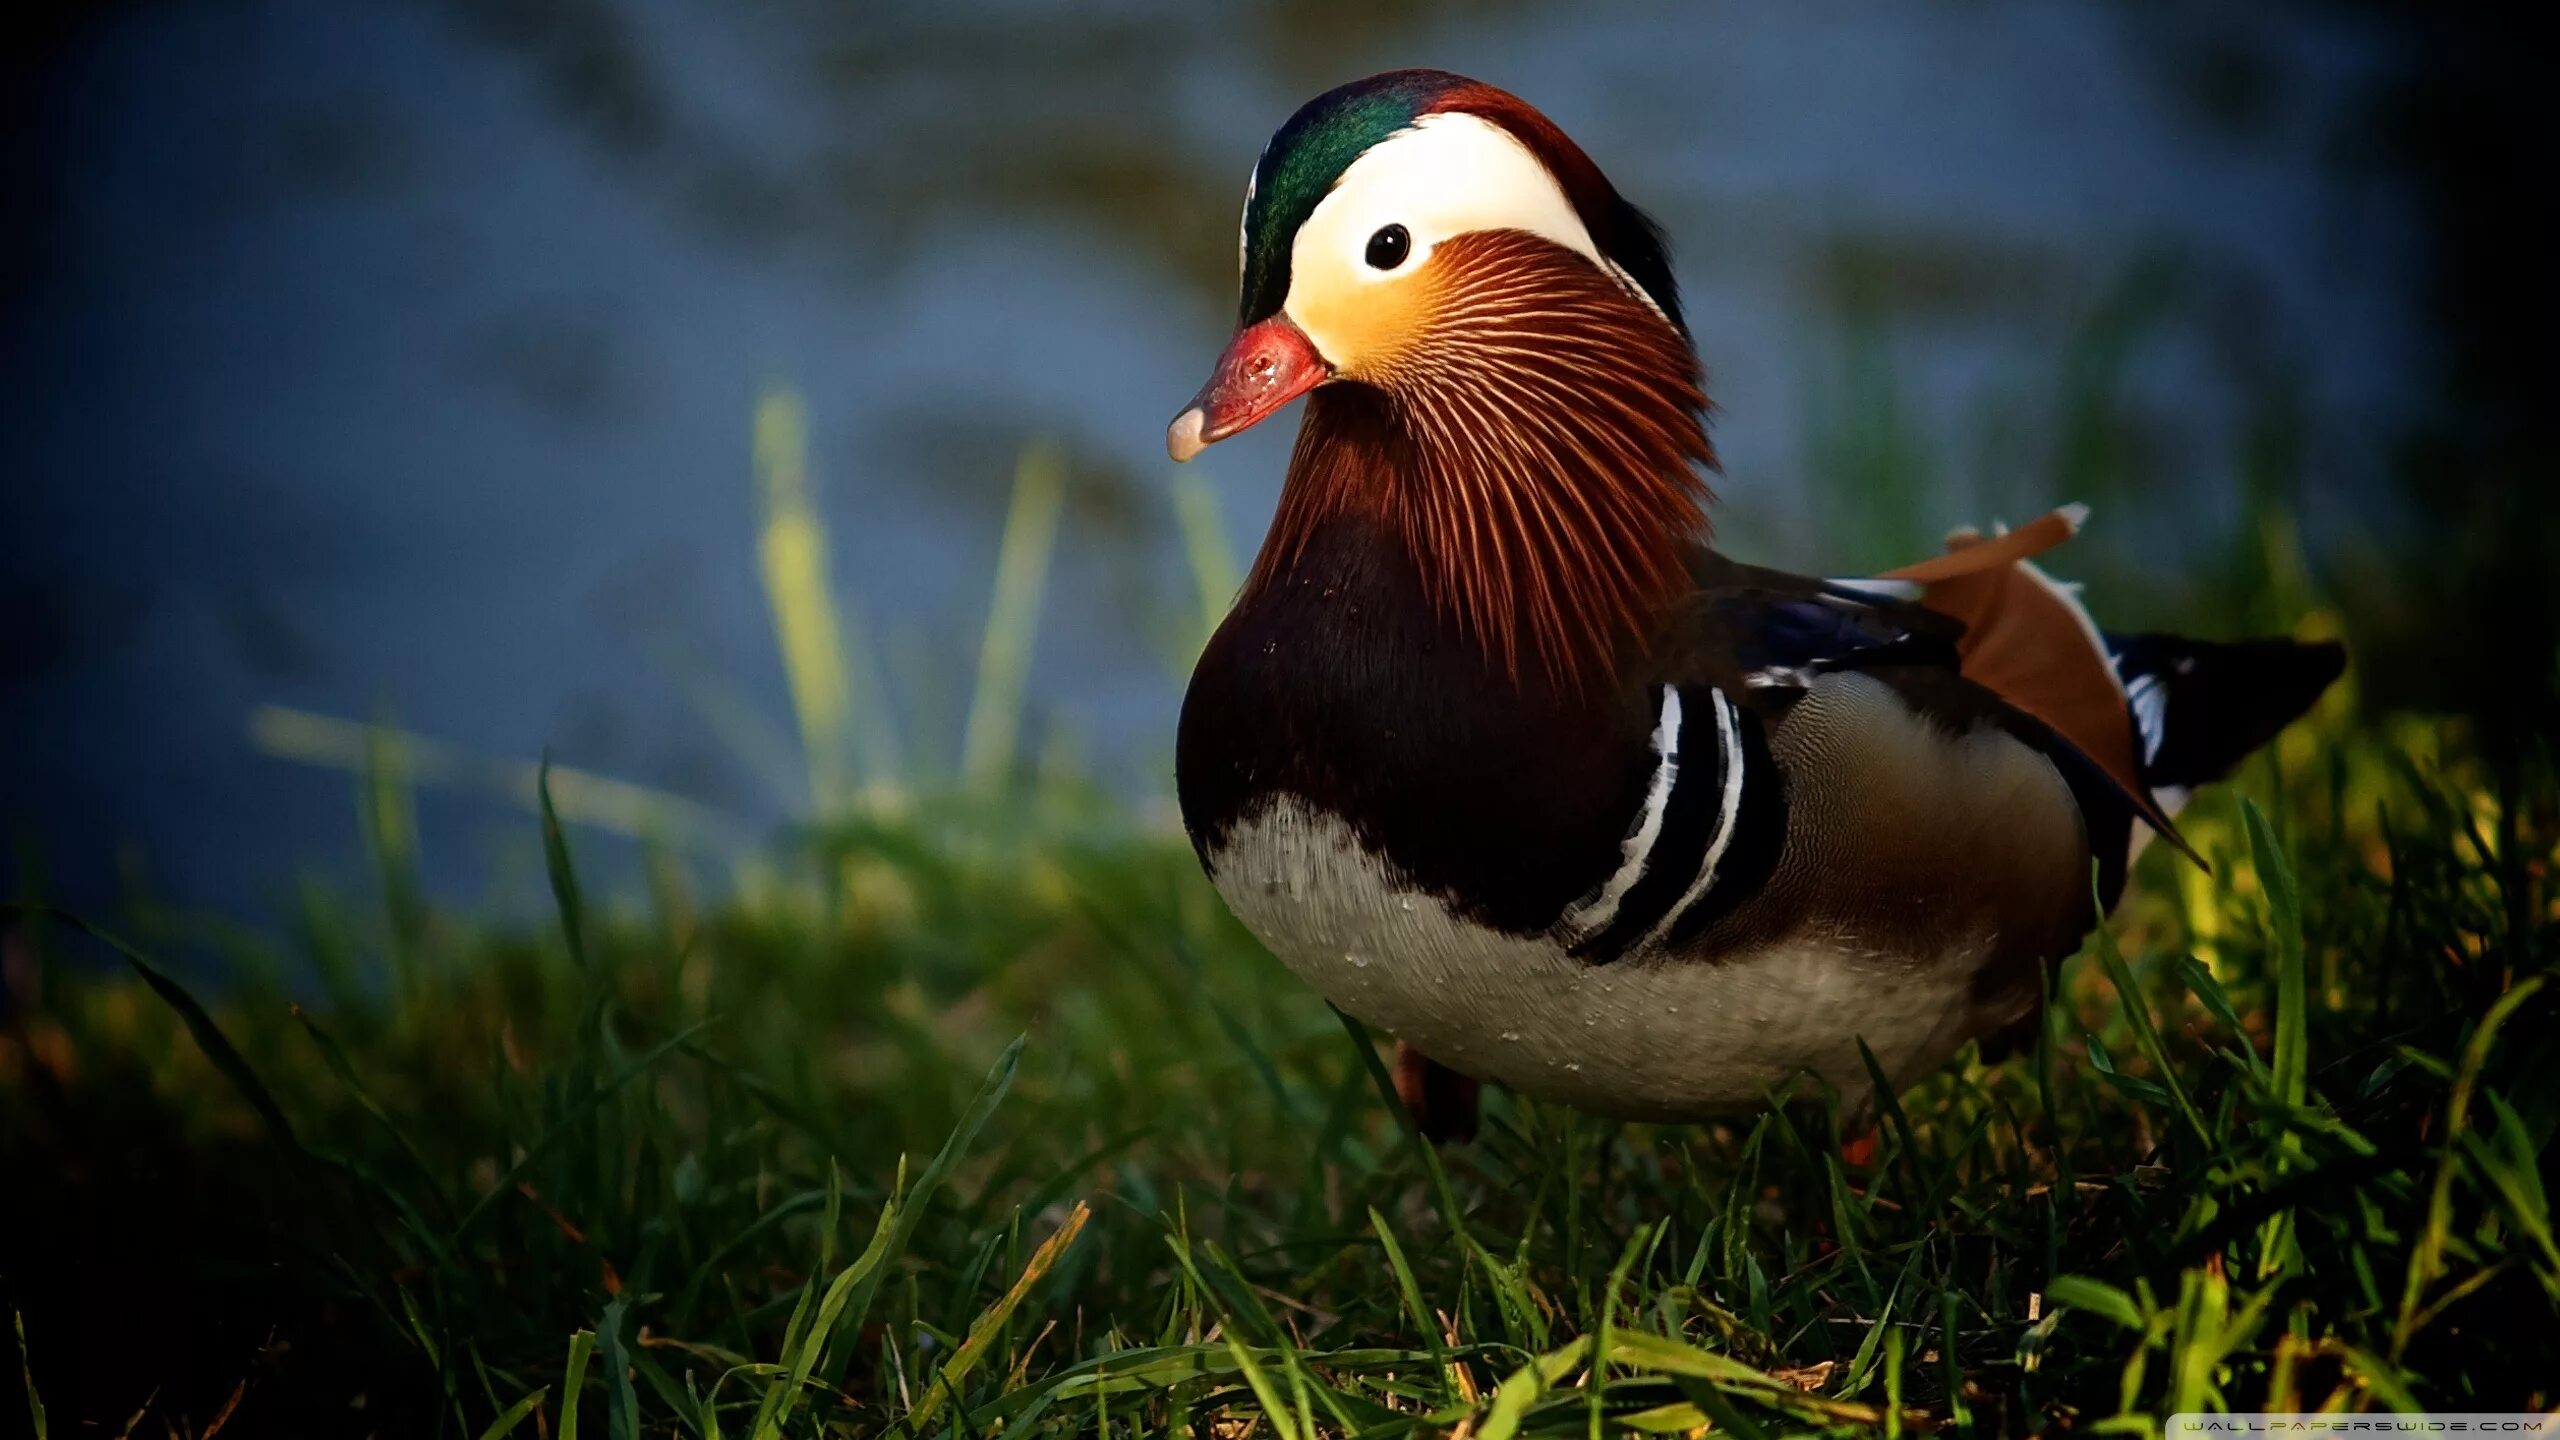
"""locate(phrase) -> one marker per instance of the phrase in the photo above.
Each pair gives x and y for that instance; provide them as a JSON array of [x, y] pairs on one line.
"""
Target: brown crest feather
[[1538, 447]]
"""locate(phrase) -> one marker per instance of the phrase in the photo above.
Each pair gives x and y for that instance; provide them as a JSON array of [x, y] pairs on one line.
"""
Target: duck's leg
[[1443, 1102], [1858, 1149]]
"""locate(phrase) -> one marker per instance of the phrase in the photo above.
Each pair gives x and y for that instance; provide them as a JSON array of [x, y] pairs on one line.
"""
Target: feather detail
[[1538, 448], [2027, 640], [1634, 246], [1969, 554]]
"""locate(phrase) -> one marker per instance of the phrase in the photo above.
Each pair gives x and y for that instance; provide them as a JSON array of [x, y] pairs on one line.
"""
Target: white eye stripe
[[1444, 175]]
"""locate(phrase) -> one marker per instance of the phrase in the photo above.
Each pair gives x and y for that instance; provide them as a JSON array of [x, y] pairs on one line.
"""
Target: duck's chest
[[1337, 685]]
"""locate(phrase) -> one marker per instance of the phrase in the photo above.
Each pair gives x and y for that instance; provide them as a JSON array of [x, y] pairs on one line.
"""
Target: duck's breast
[[1647, 1037]]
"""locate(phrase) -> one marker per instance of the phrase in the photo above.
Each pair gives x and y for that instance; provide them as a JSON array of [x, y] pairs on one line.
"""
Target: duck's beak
[[1266, 366]]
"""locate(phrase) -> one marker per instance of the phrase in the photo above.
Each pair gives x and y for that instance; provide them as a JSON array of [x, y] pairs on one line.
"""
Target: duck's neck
[[1537, 456]]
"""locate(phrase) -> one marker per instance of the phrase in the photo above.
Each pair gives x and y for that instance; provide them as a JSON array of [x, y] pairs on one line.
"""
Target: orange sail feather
[[2027, 640]]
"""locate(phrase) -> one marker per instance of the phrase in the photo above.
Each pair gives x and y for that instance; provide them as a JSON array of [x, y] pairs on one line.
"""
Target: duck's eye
[[1388, 247]]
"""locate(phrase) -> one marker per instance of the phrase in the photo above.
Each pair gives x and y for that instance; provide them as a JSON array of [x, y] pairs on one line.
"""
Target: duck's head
[[1495, 342], [1384, 209]]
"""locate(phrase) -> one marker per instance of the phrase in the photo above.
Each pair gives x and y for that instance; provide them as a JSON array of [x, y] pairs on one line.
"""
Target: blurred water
[[397, 359]]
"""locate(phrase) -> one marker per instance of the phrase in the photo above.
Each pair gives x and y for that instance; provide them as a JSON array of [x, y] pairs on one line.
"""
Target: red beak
[[1265, 367]]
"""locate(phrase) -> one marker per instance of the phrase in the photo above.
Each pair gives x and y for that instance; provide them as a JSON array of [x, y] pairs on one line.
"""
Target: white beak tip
[[1182, 438]]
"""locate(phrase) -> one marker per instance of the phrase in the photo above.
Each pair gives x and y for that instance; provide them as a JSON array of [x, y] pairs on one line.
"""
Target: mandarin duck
[[1500, 755]]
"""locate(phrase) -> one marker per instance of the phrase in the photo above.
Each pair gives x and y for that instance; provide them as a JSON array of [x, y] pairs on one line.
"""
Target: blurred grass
[[991, 738], [1214, 570], [842, 729], [975, 1113], [394, 756]]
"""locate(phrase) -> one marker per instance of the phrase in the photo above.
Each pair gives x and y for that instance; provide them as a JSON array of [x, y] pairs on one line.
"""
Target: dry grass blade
[[983, 1333], [223, 1416]]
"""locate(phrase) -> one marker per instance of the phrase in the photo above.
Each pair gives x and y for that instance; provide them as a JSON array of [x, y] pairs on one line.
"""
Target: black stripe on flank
[[1759, 833], [1688, 828]]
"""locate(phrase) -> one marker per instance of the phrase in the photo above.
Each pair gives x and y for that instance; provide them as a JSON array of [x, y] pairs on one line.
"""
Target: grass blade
[[991, 1093], [2291, 1066], [573, 1382], [1411, 1290], [2137, 1014], [199, 1022], [1205, 545], [27, 1371], [2426, 1263], [2292, 1060], [509, 1418], [622, 1407], [568, 1125], [1284, 1420], [2096, 1297], [335, 1058], [821, 649], [564, 876], [582, 797], [992, 737], [983, 1332], [1522, 1388]]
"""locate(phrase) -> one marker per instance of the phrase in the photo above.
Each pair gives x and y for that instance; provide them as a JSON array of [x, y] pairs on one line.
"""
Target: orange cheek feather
[[1372, 324]]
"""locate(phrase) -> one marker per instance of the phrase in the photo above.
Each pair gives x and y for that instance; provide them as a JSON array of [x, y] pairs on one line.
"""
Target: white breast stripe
[[1592, 916], [1729, 738]]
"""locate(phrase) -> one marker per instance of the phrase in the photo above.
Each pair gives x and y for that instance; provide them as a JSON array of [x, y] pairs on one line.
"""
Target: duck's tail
[[2201, 706]]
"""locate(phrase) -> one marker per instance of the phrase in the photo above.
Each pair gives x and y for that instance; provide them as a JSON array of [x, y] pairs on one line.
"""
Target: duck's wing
[[1975, 636], [1984, 610], [2028, 640], [1969, 642]]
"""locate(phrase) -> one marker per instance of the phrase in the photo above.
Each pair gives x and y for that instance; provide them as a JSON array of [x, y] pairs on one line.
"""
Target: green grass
[[967, 1109], [983, 1117]]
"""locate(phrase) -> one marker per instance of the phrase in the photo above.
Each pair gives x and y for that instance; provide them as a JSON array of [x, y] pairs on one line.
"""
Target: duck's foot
[[1858, 1151], [1442, 1101]]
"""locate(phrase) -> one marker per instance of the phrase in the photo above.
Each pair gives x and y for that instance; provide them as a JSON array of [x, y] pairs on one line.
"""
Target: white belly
[[1644, 1038]]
